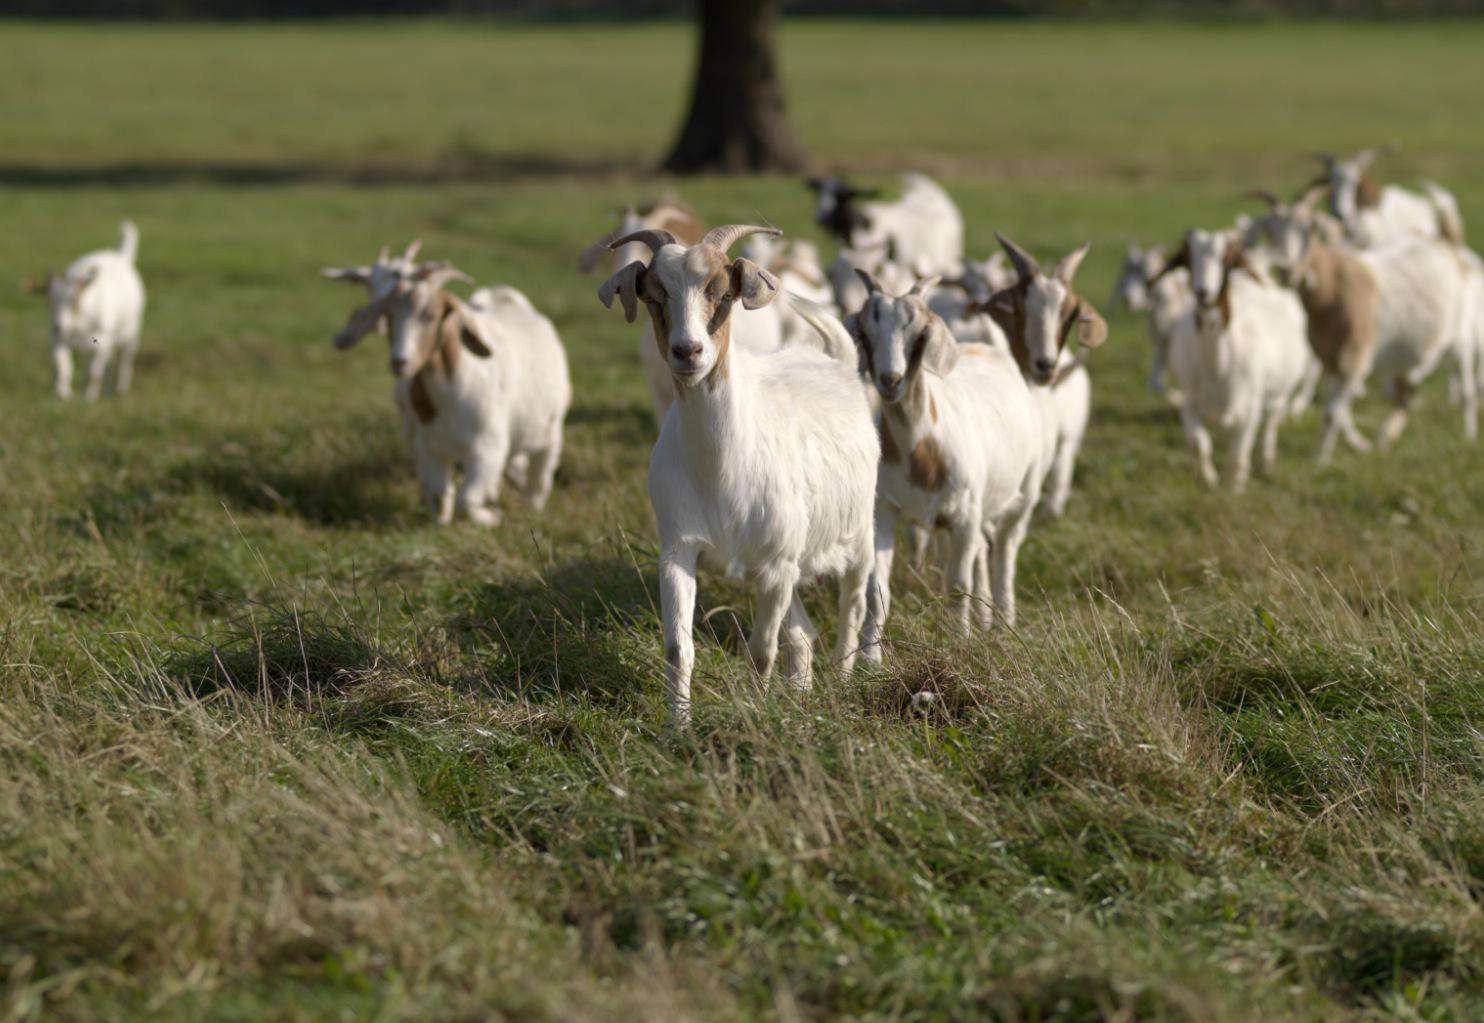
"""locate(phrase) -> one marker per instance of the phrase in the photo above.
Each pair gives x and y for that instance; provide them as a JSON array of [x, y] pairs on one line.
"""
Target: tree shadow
[[457, 164]]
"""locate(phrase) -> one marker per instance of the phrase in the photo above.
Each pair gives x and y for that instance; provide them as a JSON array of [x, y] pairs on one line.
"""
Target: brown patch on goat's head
[[925, 466], [689, 292], [1041, 312]]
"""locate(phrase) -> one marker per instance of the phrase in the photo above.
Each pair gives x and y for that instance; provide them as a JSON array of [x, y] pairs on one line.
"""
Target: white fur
[[97, 305], [1242, 375], [922, 230], [765, 472], [1164, 303], [987, 435], [496, 416]]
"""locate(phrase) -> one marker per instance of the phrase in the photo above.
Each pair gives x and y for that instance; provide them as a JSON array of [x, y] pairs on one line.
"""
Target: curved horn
[[1025, 264], [1367, 156], [1263, 195], [872, 286], [383, 254], [438, 275], [925, 284], [1310, 196], [653, 237], [1066, 269], [725, 236], [413, 248]]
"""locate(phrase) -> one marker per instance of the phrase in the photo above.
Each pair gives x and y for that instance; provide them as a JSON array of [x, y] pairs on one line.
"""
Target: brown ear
[[471, 332], [360, 323], [940, 351], [1001, 308], [1090, 328], [755, 286], [624, 284], [1236, 259], [1178, 260]]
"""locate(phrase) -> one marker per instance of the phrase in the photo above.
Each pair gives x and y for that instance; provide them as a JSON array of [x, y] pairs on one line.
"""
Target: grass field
[[272, 746]]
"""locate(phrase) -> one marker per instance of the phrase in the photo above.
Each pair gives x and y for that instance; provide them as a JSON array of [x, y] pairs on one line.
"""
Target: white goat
[[1041, 314], [1240, 355], [921, 230], [1393, 310], [482, 385], [381, 277], [843, 273], [795, 262], [758, 330], [96, 304], [1165, 302], [765, 466], [960, 449], [1374, 216]]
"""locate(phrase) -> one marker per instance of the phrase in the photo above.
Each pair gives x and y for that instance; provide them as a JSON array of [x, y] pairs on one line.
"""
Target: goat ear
[[940, 352], [624, 284], [593, 254], [472, 334], [755, 286], [1001, 308], [1091, 328], [349, 274], [360, 323]]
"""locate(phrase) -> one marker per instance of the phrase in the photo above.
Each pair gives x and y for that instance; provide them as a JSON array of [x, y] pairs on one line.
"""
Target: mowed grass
[[274, 747]]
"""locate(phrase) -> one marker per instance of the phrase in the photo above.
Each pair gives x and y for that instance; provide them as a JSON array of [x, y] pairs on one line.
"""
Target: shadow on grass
[[455, 165], [572, 630]]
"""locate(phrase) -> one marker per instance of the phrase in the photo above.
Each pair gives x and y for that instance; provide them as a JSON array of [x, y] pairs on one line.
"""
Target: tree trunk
[[736, 122]]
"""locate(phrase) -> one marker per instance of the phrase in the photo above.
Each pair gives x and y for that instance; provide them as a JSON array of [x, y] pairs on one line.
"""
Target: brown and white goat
[[481, 385]]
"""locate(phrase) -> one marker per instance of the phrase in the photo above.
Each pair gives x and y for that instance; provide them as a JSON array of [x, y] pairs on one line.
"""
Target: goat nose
[[685, 351], [398, 365], [1044, 365], [890, 381]]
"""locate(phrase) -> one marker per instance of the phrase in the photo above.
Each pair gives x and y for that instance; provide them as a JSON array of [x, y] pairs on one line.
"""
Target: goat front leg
[[481, 485], [964, 541], [677, 615], [435, 480], [1402, 390], [854, 583], [1275, 413], [1200, 442], [543, 469], [62, 370], [798, 645], [983, 598], [775, 590], [1009, 534], [1239, 457], [878, 590]]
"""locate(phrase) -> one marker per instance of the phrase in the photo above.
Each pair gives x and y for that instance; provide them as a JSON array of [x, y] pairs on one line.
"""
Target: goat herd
[[899, 384]]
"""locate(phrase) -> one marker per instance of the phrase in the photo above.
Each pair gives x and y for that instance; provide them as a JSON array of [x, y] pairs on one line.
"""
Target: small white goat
[[1041, 315], [96, 304], [922, 230], [482, 385], [845, 281], [1240, 355], [961, 449], [1375, 215], [765, 466], [1165, 302], [1395, 310], [757, 330]]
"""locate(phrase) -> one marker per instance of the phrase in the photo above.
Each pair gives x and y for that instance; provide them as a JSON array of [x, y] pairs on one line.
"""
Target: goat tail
[[128, 240], [1450, 220], [833, 339]]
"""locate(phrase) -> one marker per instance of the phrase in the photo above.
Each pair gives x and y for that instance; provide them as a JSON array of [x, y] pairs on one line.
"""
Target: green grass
[[271, 746]]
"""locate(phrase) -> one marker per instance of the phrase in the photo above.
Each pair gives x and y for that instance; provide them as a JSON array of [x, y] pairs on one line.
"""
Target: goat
[[381, 277], [765, 466], [97, 303], [960, 449], [1040, 314], [850, 294], [1240, 354], [1164, 302], [1393, 310], [922, 229], [481, 384], [759, 330], [795, 263]]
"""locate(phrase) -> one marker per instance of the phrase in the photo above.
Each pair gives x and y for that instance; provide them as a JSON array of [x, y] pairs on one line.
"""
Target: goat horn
[[1025, 264], [1263, 195], [872, 286], [413, 248], [925, 284], [726, 236], [655, 238], [383, 254]]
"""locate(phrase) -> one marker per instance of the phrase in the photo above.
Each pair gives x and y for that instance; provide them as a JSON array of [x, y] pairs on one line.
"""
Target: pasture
[[272, 745]]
